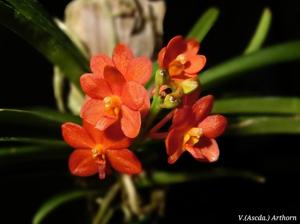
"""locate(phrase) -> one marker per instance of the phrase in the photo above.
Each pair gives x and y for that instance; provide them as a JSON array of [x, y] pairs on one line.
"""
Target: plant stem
[[154, 111], [104, 207], [132, 195]]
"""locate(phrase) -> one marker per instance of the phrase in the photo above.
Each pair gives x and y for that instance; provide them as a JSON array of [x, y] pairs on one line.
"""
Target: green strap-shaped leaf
[[37, 117], [29, 20], [234, 67], [263, 125], [204, 24], [258, 105], [56, 202], [27, 152], [167, 178], [41, 141], [261, 32]]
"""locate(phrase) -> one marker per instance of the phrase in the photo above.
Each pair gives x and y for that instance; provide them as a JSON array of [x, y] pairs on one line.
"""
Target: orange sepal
[[98, 63], [175, 47], [82, 163], [92, 110], [193, 46], [139, 70], [183, 116], [114, 137], [122, 55], [174, 141], [94, 87], [76, 136], [160, 58], [203, 107], [124, 161], [115, 80], [134, 95]]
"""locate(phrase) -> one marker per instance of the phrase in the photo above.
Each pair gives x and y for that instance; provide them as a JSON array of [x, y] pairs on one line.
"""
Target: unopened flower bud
[[189, 85], [171, 101], [161, 77], [164, 90]]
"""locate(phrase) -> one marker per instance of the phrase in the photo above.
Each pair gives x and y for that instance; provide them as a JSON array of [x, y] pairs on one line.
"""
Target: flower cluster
[[117, 104]]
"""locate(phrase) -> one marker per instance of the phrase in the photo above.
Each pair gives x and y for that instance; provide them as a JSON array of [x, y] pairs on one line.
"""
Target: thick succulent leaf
[[29, 20], [263, 125], [32, 152], [204, 24], [258, 105], [41, 141], [35, 117], [260, 33], [167, 178], [57, 201], [233, 68]]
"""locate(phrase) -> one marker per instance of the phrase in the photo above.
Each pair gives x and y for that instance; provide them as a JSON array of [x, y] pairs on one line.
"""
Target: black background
[[26, 81]]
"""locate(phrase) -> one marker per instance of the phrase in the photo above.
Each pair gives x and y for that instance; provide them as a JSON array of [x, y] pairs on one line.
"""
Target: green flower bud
[[161, 77], [171, 101], [189, 85]]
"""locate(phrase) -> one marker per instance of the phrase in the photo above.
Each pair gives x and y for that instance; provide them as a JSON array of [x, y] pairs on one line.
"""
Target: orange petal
[[122, 55], [124, 161], [115, 80], [145, 107], [203, 107], [213, 126], [174, 141], [76, 136], [130, 122], [82, 163], [183, 117], [177, 45], [139, 70], [195, 63], [174, 157], [92, 110], [175, 68], [193, 46], [161, 56], [105, 121], [94, 87], [96, 134], [134, 95], [206, 150], [98, 63], [114, 137]]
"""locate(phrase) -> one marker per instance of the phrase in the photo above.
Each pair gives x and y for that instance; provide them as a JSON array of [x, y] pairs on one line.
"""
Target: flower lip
[[97, 151], [112, 105], [192, 136]]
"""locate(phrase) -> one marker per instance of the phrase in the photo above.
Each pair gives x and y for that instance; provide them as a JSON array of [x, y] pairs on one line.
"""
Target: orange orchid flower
[[180, 58], [95, 151], [194, 130], [115, 91]]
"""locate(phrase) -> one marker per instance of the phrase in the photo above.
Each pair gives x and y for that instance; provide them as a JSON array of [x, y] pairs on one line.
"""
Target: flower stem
[[154, 111], [132, 195], [107, 200]]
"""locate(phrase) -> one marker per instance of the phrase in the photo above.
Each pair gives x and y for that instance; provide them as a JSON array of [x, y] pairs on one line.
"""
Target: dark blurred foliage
[[26, 81]]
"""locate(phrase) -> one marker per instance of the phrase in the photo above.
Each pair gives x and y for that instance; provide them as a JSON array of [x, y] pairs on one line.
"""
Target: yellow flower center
[[192, 136], [112, 105], [181, 58], [176, 67], [98, 152]]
